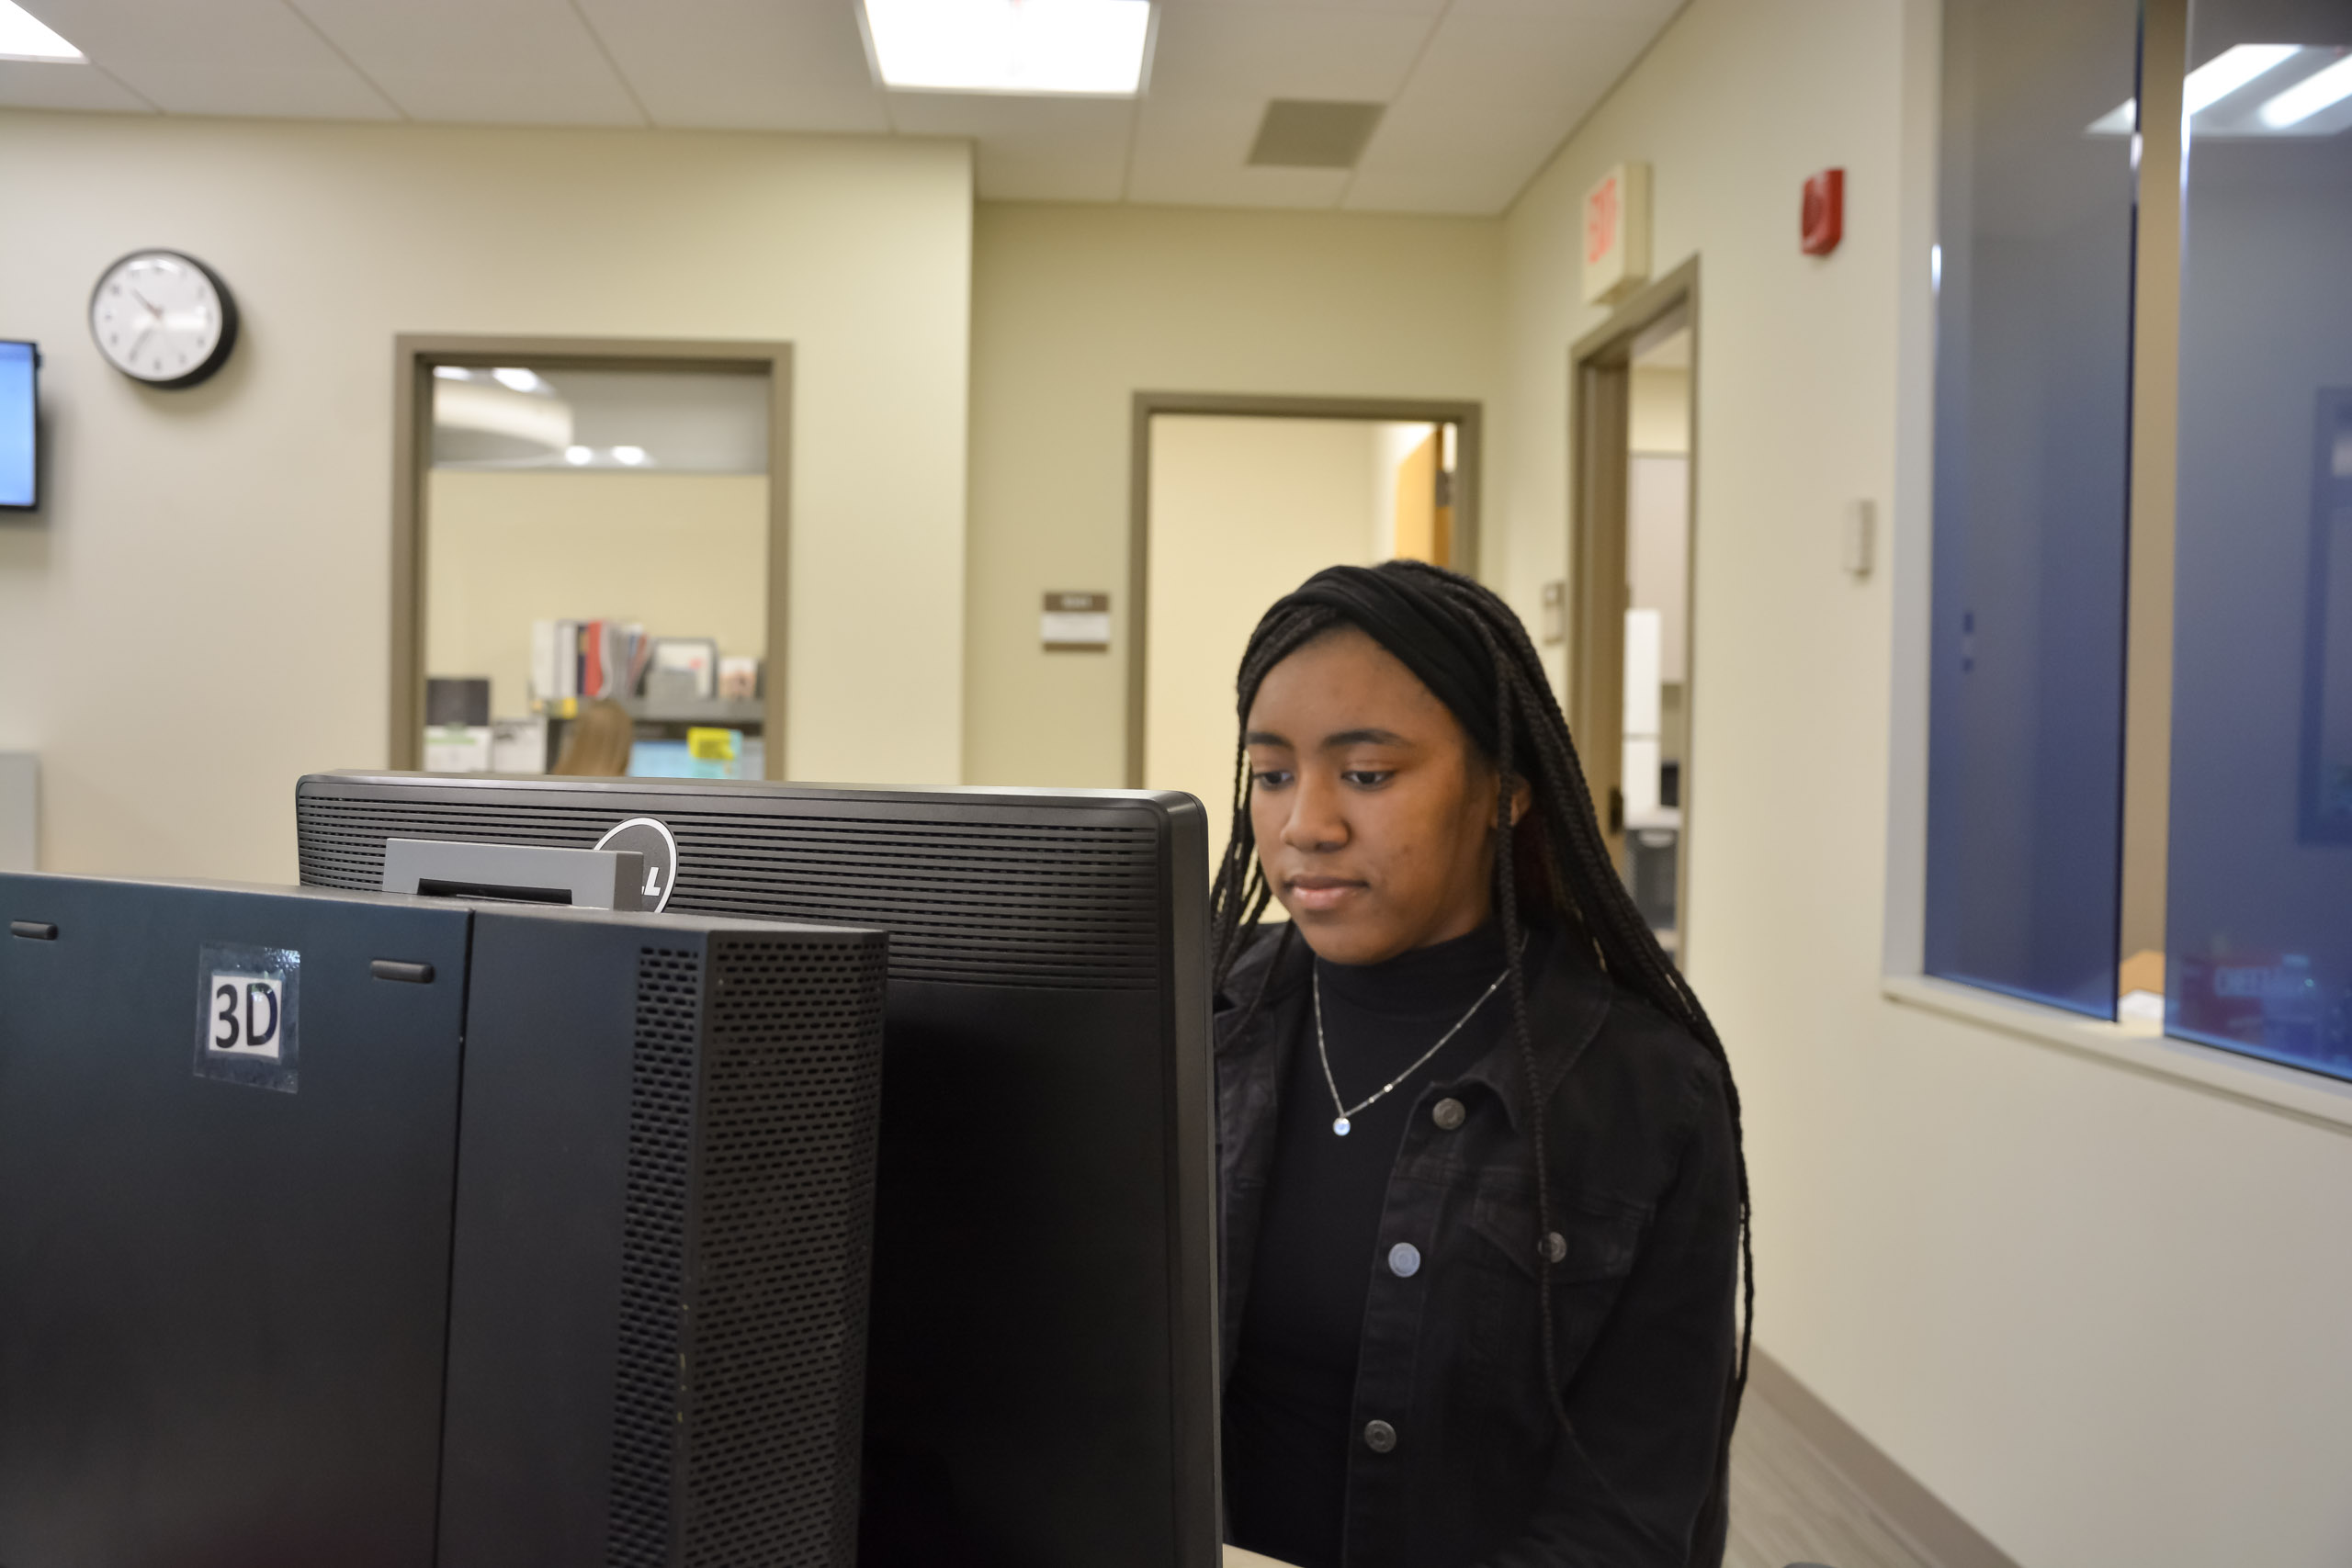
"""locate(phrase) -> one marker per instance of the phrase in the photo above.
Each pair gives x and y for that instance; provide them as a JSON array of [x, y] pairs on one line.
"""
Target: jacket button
[[1553, 1246], [1447, 1114], [1403, 1260], [1379, 1437]]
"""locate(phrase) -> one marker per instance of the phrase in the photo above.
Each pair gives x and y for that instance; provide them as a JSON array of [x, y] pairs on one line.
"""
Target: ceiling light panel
[[1095, 48], [24, 35]]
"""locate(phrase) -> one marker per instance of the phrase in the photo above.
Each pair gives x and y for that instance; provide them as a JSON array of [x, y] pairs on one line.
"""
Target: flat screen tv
[[1042, 1369], [19, 410]]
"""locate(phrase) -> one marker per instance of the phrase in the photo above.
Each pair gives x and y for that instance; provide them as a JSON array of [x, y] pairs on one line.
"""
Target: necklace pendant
[[1340, 1126]]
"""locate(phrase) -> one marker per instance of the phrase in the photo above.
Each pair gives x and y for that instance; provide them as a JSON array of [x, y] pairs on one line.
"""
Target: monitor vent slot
[[791, 1087], [647, 1403], [1045, 904]]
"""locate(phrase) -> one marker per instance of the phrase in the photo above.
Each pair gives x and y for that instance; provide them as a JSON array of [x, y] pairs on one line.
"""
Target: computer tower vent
[[791, 1088], [646, 1395], [1044, 904]]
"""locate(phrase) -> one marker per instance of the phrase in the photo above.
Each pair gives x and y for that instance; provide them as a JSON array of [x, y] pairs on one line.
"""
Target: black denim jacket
[[1472, 1467]]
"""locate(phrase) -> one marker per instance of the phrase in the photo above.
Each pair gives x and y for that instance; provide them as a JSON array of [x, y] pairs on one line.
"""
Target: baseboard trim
[[1936, 1532]]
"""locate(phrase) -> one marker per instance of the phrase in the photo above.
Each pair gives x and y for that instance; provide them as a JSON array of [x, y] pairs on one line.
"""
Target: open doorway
[[1630, 691], [590, 554], [1239, 500]]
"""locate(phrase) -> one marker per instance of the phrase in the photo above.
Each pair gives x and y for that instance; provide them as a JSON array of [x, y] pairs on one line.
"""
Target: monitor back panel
[[223, 1298], [665, 1194], [1042, 1373]]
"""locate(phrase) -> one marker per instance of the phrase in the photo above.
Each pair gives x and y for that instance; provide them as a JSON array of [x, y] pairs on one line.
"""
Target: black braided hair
[[1556, 857]]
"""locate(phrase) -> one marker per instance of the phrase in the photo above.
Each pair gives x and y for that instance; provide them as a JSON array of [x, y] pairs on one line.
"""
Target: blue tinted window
[[2032, 424], [2259, 882]]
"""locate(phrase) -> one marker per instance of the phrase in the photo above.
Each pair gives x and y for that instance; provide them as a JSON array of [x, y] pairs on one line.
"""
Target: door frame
[[1467, 418], [414, 354], [1600, 427]]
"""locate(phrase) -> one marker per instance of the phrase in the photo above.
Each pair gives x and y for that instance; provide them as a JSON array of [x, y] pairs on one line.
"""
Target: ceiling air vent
[[1301, 134]]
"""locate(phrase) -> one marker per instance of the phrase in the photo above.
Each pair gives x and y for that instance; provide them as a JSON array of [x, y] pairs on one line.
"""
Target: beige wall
[[686, 554], [1076, 309], [1242, 512], [200, 615], [1659, 417], [2098, 1312]]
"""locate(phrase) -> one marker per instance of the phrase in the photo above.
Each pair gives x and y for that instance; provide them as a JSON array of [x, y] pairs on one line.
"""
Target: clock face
[[163, 318]]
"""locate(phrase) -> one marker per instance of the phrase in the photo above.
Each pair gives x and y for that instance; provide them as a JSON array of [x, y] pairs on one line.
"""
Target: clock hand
[[153, 309]]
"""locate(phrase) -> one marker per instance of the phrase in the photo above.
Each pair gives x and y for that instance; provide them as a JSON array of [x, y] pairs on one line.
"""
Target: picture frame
[[682, 666]]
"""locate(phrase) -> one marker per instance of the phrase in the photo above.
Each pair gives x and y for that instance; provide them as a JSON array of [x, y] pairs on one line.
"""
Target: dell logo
[[651, 840]]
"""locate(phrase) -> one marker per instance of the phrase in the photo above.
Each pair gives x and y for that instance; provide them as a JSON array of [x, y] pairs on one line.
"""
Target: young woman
[[1484, 1210]]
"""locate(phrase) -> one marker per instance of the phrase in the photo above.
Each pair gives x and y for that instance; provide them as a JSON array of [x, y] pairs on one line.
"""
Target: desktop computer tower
[[377, 1230], [1041, 1382]]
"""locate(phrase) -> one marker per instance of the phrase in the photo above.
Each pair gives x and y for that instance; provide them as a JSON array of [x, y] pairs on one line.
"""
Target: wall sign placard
[[1076, 623], [1617, 233]]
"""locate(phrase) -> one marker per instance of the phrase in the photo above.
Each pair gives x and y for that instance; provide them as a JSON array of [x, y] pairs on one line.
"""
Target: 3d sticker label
[[248, 1020]]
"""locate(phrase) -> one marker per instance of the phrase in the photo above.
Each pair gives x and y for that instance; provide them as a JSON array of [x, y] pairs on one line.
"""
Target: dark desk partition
[[379, 1232]]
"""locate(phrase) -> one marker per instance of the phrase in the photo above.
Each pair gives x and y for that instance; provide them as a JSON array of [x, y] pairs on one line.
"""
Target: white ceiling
[[1478, 91]]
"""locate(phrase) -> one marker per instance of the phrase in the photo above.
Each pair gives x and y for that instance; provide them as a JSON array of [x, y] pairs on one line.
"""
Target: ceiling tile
[[743, 65], [1192, 153], [240, 57], [1501, 85], [65, 84], [332, 92], [1030, 149], [1256, 52], [484, 62]]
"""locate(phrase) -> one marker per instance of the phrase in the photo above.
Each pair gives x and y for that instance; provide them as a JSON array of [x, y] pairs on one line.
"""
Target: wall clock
[[164, 318]]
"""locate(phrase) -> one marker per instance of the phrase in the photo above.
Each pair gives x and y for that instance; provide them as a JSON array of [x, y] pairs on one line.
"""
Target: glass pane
[[2032, 423], [2260, 879], [596, 570]]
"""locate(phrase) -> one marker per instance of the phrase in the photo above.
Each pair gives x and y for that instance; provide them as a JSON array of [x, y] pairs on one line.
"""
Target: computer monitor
[[1042, 1381], [19, 426], [389, 1233]]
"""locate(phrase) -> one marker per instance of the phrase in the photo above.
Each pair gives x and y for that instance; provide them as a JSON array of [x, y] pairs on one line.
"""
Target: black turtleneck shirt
[[1289, 1405]]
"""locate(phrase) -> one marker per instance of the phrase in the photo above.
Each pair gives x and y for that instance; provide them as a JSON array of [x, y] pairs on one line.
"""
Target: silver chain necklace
[[1340, 1123]]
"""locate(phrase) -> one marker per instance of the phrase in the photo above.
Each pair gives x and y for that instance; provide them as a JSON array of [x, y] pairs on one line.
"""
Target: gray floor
[[1790, 1504]]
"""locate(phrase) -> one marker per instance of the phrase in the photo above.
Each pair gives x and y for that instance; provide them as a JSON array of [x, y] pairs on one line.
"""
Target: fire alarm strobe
[[1824, 223]]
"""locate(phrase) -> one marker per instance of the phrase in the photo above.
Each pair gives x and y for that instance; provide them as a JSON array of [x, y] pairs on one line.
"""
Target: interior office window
[[597, 533], [2259, 881], [2032, 427]]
